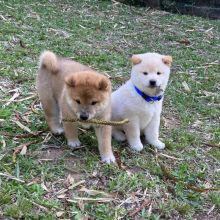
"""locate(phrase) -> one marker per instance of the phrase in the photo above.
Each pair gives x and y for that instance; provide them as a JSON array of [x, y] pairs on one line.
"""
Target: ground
[[46, 180]]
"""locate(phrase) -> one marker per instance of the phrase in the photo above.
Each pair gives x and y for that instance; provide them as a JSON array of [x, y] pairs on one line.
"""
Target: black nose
[[84, 117], [152, 83]]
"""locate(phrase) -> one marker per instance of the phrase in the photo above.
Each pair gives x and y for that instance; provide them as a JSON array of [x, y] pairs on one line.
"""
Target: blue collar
[[146, 97]]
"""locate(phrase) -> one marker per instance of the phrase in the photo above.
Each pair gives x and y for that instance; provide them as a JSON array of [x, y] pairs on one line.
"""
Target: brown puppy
[[68, 89]]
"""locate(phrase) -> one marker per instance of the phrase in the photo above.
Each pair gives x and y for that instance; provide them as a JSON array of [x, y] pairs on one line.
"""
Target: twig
[[12, 177], [77, 148], [23, 135], [211, 145], [32, 107], [119, 78], [144, 204], [19, 148], [168, 156], [97, 121], [38, 205], [16, 94], [19, 124], [76, 184], [90, 199], [26, 98], [210, 210]]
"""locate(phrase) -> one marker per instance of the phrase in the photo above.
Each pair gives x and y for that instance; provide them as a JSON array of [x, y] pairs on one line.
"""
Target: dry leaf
[[19, 124], [3, 144], [20, 147], [59, 214], [186, 87], [61, 196], [209, 93], [197, 124], [23, 150], [69, 180], [44, 187], [184, 41], [76, 184], [16, 94], [94, 192], [81, 205]]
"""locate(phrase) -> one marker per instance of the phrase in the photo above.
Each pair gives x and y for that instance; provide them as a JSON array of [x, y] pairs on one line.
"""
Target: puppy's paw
[[58, 131], [119, 135], [137, 146], [74, 143], [158, 144], [108, 158]]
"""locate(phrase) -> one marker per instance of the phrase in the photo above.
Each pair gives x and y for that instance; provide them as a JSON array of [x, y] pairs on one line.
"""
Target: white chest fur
[[133, 106]]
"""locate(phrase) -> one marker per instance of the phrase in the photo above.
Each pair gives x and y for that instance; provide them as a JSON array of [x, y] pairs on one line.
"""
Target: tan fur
[[167, 60], [49, 61], [68, 89], [135, 59]]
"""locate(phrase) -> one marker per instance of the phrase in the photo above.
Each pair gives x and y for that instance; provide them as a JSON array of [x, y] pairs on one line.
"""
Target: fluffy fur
[[68, 89], [144, 116]]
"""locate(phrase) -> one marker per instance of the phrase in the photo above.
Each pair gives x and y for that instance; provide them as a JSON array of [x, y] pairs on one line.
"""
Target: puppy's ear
[[167, 60], [103, 84], [70, 81], [135, 59]]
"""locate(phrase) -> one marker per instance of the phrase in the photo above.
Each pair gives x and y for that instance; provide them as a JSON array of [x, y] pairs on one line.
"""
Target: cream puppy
[[140, 100]]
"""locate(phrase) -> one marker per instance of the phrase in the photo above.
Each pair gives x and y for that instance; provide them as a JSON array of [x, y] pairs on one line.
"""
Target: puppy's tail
[[49, 61]]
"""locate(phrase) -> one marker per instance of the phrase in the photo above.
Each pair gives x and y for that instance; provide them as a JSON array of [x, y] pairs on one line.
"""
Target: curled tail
[[49, 61]]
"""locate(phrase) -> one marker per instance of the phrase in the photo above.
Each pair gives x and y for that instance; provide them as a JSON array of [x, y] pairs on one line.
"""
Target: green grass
[[102, 35]]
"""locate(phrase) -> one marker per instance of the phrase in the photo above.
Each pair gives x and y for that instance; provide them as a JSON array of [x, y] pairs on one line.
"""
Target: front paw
[[58, 131], [137, 146], [108, 158], [74, 143], [158, 144]]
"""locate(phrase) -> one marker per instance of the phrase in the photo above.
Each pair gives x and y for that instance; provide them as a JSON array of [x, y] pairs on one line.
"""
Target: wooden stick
[[97, 121]]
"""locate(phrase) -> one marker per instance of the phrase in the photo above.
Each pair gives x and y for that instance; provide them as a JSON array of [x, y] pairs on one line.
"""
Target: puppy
[[140, 100], [67, 90]]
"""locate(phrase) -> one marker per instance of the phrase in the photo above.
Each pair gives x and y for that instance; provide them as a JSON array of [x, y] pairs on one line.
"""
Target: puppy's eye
[[94, 103], [145, 73], [77, 101], [158, 73]]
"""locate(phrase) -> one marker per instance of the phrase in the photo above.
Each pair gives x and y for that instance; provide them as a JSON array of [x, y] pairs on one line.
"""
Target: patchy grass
[[47, 181]]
